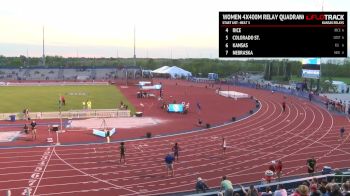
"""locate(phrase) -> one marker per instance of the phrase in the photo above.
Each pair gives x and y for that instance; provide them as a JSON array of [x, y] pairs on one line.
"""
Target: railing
[[53, 83], [289, 184], [98, 113], [320, 100]]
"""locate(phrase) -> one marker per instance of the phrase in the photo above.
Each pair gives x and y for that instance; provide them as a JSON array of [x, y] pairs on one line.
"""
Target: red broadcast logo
[[315, 17]]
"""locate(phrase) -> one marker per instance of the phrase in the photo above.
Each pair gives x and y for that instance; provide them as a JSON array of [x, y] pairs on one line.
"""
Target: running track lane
[[293, 136]]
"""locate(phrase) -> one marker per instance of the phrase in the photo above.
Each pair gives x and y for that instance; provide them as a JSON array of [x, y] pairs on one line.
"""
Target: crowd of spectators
[[322, 188], [338, 105], [312, 187], [337, 185]]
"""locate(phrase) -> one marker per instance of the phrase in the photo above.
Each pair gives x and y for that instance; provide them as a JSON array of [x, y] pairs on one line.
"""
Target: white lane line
[[42, 173], [98, 179], [310, 124], [156, 172], [79, 191], [189, 174]]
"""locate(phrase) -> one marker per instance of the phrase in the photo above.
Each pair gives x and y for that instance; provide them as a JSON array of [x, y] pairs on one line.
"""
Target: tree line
[[282, 69]]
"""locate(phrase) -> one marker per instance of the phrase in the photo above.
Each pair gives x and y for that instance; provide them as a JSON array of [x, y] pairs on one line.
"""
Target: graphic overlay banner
[[311, 68], [283, 34]]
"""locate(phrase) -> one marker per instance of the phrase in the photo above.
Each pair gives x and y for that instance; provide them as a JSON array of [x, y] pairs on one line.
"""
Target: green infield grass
[[46, 98]]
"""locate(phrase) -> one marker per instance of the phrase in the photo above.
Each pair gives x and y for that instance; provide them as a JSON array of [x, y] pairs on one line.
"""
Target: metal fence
[[98, 113]]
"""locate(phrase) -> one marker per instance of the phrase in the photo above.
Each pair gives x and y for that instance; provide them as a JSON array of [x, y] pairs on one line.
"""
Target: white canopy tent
[[160, 70], [173, 71], [340, 86]]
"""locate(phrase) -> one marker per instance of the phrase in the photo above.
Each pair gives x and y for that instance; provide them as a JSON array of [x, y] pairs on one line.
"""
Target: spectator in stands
[[311, 165], [245, 193], [280, 191], [176, 150], [268, 192], [169, 161], [346, 188], [302, 190], [313, 181], [226, 186], [322, 186], [279, 169], [201, 185], [328, 189], [252, 191], [336, 190], [314, 191]]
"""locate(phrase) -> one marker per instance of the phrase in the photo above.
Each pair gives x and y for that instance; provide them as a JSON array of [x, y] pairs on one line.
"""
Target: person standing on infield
[[311, 165], [34, 134], [342, 131], [169, 162], [223, 145], [176, 150], [122, 152], [108, 135]]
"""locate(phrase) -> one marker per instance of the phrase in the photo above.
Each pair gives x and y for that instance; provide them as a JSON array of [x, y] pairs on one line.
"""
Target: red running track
[[303, 130]]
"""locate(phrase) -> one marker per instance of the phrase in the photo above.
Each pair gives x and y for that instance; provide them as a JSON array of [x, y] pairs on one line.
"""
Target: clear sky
[[96, 28]]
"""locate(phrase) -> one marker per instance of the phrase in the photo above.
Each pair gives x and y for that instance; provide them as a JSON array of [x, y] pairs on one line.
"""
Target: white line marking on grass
[[98, 179]]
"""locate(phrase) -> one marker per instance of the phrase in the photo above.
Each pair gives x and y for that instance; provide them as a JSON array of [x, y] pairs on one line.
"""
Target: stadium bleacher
[[40, 73], [290, 184]]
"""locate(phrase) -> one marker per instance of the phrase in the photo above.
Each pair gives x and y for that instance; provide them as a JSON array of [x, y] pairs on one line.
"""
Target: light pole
[[60, 114]]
